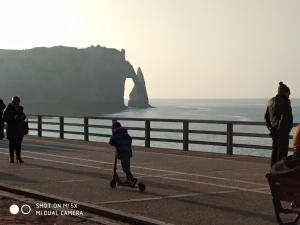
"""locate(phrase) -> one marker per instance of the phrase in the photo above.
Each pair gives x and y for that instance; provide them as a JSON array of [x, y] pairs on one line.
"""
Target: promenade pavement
[[187, 188]]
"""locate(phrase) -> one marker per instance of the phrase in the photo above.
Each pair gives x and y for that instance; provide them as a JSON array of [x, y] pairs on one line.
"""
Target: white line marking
[[167, 178], [217, 185], [69, 181], [262, 189], [73, 164], [63, 147], [65, 157], [204, 176], [236, 157], [144, 199], [152, 169], [20, 168], [157, 176], [165, 197], [149, 152]]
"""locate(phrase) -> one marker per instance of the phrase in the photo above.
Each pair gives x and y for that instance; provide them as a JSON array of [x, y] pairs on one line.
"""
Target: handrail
[[155, 119], [147, 130]]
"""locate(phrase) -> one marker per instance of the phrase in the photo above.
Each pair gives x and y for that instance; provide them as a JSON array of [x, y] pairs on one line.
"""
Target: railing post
[[147, 133], [229, 139], [185, 135], [39, 126], [86, 128], [61, 127]]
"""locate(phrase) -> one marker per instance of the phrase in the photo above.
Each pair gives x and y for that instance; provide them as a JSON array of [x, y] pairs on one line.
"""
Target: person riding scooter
[[122, 141]]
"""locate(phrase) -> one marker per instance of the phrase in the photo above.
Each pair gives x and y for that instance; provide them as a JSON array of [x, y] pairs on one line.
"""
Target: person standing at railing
[[15, 118], [279, 121], [2, 107]]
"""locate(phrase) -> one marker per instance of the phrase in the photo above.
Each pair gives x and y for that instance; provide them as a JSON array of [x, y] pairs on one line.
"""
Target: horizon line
[[217, 98]]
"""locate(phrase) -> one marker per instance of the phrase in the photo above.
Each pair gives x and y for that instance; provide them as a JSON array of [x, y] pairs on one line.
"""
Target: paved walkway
[[182, 187]]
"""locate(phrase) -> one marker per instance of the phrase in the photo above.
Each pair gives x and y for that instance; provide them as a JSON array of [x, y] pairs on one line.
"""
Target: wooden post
[[61, 127], [229, 139], [147, 134], [40, 126], [185, 135], [86, 128]]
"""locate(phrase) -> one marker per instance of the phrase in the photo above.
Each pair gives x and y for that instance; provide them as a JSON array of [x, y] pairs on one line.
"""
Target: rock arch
[[138, 96]]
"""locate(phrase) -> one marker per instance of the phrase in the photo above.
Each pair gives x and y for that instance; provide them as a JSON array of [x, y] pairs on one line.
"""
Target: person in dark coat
[[2, 107], [14, 117], [279, 121], [122, 141]]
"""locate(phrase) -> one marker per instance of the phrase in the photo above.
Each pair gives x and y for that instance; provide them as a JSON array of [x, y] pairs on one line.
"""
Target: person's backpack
[[296, 138]]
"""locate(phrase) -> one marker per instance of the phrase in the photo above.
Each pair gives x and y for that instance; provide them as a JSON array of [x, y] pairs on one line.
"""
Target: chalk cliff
[[67, 80]]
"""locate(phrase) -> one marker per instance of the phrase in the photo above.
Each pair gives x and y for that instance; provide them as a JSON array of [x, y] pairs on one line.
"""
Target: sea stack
[[138, 97]]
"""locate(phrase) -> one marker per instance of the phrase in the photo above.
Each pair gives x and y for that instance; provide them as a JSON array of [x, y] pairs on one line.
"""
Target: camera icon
[[15, 209], [25, 209]]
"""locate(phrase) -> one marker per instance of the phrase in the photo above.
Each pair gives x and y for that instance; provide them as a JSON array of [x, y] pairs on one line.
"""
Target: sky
[[185, 48]]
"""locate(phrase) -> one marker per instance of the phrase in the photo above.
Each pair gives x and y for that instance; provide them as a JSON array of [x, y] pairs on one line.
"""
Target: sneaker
[[133, 182]]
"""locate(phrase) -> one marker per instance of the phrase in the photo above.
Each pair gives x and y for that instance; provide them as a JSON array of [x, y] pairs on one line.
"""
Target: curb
[[90, 208]]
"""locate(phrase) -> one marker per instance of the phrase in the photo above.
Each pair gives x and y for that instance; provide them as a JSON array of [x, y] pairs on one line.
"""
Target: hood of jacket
[[122, 130]]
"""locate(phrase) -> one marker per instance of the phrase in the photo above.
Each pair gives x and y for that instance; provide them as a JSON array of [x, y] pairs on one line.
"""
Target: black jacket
[[279, 117], [14, 117]]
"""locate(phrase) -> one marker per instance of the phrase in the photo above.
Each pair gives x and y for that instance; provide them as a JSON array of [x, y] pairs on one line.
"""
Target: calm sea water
[[206, 109], [215, 109]]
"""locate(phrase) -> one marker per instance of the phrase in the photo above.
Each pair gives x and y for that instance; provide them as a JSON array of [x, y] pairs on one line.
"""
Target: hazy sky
[[186, 48]]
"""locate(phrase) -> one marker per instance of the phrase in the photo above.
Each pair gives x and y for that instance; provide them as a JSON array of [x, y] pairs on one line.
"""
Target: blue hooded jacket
[[122, 140]]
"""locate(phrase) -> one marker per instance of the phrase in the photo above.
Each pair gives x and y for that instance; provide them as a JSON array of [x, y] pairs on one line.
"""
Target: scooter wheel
[[141, 186], [113, 183]]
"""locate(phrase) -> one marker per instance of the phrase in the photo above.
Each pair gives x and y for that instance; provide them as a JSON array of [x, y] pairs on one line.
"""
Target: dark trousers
[[280, 147], [125, 161], [15, 146]]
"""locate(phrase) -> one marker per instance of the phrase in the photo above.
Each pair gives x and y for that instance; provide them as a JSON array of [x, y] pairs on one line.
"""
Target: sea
[[202, 109]]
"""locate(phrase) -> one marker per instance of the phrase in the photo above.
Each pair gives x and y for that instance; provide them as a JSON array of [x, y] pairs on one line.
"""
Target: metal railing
[[147, 130]]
